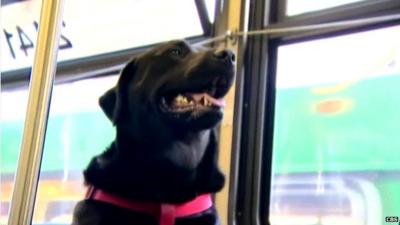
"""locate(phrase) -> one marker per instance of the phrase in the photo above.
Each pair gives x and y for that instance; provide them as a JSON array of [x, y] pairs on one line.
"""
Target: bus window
[[77, 128], [112, 26], [12, 114], [336, 142]]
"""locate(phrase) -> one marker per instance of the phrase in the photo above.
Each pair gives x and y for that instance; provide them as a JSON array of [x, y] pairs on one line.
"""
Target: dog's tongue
[[198, 97]]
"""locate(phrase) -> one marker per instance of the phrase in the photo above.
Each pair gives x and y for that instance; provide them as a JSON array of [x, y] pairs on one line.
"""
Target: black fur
[[156, 156]]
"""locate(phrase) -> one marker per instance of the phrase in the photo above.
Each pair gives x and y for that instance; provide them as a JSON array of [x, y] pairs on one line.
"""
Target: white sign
[[93, 27]]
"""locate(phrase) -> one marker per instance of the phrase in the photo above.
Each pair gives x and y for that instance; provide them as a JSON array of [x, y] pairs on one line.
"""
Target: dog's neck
[[160, 139], [183, 149], [175, 177]]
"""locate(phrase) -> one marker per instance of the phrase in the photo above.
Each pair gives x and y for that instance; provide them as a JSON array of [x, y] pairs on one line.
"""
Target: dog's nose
[[225, 55]]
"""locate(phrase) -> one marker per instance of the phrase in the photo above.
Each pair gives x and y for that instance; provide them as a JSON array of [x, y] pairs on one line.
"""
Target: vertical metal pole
[[40, 89]]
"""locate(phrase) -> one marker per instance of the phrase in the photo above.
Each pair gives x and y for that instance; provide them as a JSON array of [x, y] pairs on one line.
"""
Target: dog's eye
[[176, 52]]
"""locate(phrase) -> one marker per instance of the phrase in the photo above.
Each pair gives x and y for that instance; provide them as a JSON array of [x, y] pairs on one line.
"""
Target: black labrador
[[165, 107]]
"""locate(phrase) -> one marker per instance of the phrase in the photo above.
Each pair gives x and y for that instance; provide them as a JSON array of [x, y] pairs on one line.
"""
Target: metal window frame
[[356, 10], [252, 126], [204, 17], [257, 121]]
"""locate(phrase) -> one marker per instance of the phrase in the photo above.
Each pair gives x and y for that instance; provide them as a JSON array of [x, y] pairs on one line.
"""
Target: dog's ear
[[111, 102], [107, 103]]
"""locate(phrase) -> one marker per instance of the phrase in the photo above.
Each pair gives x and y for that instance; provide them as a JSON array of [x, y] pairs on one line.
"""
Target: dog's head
[[173, 87]]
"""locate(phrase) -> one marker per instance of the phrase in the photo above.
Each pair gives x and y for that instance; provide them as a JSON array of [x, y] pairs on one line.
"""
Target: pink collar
[[166, 213]]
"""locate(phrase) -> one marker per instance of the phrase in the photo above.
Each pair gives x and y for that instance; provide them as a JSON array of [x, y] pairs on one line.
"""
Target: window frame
[[253, 179]]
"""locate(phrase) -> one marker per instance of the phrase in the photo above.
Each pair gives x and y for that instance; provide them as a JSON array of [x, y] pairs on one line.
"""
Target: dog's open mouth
[[193, 103]]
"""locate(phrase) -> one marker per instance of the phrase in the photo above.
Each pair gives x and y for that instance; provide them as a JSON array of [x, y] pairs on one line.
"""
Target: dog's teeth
[[182, 100], [205, 102], [179, 98]]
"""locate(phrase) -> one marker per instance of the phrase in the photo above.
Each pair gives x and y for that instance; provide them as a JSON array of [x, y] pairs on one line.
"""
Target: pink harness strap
[[166, 213]]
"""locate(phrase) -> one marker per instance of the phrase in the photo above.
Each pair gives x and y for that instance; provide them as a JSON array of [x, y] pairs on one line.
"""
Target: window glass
[[210, 4], [296, 7], [94, 27], [16, 41], [77, 130], [12, 114], [89, 28], [335, 150]]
